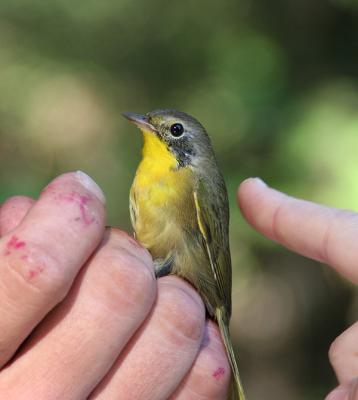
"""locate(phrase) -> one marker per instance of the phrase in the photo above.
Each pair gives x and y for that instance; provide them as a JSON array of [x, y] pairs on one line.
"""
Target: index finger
[[325, 234]]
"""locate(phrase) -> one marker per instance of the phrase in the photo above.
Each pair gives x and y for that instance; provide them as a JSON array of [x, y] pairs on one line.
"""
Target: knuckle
[[183, 312], [38, 270], [132, 280], [123, 239], [276, 227], [335, 352]]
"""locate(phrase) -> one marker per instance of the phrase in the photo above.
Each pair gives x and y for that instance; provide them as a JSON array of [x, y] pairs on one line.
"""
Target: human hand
[[104, 328], [321, 233]]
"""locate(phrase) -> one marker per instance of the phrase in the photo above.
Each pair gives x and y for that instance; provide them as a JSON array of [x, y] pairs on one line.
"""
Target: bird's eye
[[177, 130]]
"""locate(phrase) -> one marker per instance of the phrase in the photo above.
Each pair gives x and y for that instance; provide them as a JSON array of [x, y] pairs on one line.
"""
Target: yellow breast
[[161, 198]]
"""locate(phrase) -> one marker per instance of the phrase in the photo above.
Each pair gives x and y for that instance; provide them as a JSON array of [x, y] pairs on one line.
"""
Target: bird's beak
[[140, 120]]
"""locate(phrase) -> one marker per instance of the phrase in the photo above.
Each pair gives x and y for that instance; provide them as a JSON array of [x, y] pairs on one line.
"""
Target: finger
[[77, 345], [340, 393], [343, 355], [160, 355], [345, 392], [41, 257], [209, 377], [322, 233], [13, 211]]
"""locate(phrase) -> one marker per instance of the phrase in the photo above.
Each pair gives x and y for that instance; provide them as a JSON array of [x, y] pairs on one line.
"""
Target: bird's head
[[184, 137]]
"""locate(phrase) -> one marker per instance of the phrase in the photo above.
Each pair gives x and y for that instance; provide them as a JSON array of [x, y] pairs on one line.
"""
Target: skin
[[324, 234], [95, 283], [93, 301]]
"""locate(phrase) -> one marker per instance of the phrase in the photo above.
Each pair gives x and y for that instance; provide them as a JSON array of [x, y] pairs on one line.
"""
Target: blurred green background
[[275, 83]]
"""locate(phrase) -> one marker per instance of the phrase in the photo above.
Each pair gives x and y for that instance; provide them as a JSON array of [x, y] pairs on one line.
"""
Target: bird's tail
[[236, 390]]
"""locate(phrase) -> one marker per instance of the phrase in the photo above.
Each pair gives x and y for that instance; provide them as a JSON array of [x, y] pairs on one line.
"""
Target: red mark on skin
[[219, 373], [82, 202], [15, 243], [24, 257], [75, 197], [72, 197], [35, 271]]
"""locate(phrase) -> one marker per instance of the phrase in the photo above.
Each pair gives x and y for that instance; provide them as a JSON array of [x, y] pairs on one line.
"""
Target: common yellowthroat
[[179, 212]]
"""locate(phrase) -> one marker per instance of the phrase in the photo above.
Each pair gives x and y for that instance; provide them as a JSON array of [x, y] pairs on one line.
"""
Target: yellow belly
[[162, 200]]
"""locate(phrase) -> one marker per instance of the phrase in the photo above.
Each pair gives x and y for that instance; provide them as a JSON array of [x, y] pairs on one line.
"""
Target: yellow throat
[[157, 160], [158, 175], [160, 193]]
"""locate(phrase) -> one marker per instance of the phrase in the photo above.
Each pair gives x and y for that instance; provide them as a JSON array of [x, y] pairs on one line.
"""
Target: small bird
[[179, 212]]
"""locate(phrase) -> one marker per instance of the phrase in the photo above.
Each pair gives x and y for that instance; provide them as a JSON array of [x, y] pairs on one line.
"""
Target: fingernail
[[338, 394], [91, 185], [259, 181]]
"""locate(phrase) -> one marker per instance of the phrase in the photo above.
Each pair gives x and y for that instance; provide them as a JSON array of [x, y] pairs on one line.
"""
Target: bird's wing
[[213, 219]]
